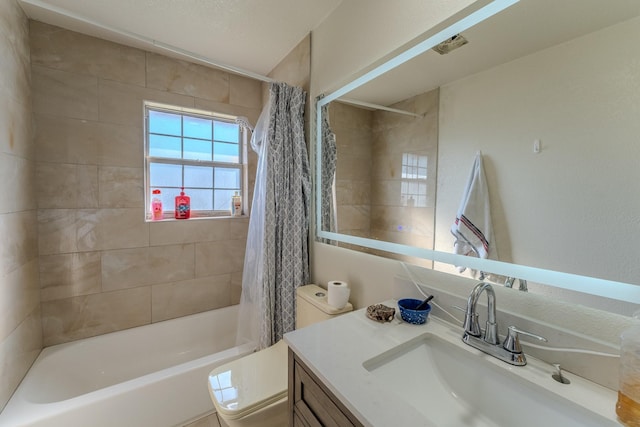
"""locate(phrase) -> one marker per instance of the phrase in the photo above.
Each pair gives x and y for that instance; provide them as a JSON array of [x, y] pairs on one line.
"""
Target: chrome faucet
[[521, 282], [510, 351]]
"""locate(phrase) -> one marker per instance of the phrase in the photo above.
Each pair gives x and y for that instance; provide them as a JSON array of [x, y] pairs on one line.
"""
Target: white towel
[[472, 228]]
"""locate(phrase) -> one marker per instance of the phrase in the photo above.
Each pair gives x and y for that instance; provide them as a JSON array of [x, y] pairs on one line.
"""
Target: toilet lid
[[250, 383]]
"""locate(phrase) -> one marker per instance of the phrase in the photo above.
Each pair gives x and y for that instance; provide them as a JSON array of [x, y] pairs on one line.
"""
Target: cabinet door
[[309, 399]]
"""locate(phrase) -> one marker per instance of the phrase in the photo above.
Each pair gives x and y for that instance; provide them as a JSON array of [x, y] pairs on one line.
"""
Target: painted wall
[[102, 267], [20, 328], [372, 278]]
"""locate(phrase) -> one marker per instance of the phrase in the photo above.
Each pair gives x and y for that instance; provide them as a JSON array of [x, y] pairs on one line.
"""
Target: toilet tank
[[312, 306]]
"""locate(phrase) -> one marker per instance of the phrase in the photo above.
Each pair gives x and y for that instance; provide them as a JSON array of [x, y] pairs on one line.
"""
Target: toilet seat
[[250, 383]]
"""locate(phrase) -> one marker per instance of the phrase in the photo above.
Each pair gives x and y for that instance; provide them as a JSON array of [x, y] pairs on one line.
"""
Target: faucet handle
[[512, 343]]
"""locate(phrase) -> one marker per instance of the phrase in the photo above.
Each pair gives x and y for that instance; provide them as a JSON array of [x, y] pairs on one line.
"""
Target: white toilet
[[252, 390]]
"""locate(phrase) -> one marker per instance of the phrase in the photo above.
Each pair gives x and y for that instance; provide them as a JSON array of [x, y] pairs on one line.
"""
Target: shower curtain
[[329, 159], [276, 258]]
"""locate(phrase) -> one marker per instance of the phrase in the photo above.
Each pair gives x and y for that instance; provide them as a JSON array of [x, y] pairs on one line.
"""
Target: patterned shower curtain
[[329, 160], [277, 257]]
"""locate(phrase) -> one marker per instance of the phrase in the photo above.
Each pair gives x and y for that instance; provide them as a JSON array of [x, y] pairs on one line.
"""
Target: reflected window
[[199, 151], [413, 188]]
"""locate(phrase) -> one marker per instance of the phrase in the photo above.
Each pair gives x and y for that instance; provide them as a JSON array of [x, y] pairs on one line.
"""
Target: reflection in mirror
[[571, 89], [385, 177]]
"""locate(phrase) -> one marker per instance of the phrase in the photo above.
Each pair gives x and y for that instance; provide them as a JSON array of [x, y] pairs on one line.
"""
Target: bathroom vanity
[[352, 371]]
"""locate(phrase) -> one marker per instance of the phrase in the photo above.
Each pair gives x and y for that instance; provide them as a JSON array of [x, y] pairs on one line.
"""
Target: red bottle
[[183, 206]]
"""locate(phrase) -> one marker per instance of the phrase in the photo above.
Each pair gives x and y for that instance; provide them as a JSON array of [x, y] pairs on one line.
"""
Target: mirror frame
[[583, 284]]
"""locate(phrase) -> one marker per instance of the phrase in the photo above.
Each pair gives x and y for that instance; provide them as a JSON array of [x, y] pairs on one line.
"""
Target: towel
[[472, 228]]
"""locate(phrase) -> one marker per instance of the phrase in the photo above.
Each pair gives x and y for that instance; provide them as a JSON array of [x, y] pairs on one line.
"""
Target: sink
[[455, 387]]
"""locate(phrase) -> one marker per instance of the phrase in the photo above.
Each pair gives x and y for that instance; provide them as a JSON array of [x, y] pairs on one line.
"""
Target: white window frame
[[168, 211]]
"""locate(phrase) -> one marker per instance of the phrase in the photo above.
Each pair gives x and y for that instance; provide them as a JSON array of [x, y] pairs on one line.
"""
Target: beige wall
[[20, 330], [103, 268]]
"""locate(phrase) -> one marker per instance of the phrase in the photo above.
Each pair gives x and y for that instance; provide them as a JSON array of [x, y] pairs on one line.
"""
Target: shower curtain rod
[[378, 107], [148, 41]]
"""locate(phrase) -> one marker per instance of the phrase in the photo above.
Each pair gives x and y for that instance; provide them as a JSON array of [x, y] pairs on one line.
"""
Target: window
[[413, 190], [199, 151]]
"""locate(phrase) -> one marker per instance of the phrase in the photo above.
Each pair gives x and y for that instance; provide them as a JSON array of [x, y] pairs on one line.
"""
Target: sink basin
[[454, 387]]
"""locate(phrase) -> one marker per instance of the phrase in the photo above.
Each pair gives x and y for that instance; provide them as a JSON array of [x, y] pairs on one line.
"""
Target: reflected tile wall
[[354, 138], [102, 267], [369, 180], [20, 321]]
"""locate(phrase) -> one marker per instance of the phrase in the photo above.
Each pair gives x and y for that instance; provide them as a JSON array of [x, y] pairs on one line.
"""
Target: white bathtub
[[153, 375]]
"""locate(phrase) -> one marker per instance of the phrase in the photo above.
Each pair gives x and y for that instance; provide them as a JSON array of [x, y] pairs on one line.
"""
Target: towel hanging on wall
[[472, 227]]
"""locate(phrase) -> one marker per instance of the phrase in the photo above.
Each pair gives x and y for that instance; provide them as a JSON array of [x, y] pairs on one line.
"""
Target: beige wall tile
[[56, 185], [54, 47], [69, 275], [64, 140], [245, 92], [87, 186], [121, 187], [295, 68], [64, 94], [222, 257], [102, 229], [89, 315], [18, 352], [353, 217], [20, 296], [128, 268], [19, 240], [235, 110], [123, 103], [197, 230], [236, 287], [352, 168], [15, 124], [186, 78], [238, 228], [56, 231], [120, 145], [20, 327], [17, 178], [171, 300]]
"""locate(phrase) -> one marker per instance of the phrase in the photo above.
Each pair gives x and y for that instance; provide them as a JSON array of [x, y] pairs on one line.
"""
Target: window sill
[[197, 218]]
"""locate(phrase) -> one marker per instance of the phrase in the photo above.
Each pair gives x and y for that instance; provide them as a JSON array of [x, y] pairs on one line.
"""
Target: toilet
[[252, 390]]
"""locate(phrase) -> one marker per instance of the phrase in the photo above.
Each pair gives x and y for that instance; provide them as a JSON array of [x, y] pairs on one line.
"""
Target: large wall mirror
[[549, 93]]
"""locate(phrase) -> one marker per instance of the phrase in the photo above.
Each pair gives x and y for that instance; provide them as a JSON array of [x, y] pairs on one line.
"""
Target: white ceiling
[[252, 35]]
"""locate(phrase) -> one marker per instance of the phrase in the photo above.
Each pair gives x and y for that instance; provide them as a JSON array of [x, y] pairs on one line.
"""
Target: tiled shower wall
[[20, 330], [102, 267]]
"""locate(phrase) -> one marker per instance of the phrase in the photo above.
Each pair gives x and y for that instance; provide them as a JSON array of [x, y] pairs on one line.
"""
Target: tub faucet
[[489, 343]]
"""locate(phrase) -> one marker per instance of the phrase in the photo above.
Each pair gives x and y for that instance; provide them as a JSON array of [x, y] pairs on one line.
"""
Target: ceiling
[[251, 35]]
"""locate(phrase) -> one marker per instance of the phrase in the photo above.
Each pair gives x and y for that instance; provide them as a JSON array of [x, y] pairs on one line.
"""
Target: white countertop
[[336, 349]]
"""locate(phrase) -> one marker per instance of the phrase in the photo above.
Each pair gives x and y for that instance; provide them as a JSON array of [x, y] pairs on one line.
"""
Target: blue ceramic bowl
[[409, 314]]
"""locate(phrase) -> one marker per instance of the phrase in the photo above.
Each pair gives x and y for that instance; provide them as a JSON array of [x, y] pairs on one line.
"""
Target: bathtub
[[153, 375]]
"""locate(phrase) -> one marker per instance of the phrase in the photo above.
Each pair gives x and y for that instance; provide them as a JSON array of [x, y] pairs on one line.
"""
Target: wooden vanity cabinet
[[311, 404]]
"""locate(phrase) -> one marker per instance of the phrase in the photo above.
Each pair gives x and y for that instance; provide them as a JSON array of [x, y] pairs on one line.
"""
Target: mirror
[[548, 92]]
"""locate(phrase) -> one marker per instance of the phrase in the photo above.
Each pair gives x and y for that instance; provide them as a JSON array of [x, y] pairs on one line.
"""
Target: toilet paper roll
[[338, 293]]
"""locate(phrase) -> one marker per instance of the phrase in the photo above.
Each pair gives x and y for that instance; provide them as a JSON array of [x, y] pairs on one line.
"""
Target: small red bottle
[[183, 206]]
